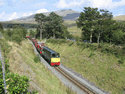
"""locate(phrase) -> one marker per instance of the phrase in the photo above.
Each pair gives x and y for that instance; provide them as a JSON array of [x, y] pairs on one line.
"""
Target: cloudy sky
[[11, 9]]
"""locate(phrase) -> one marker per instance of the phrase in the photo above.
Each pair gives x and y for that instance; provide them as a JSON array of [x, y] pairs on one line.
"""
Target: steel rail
[[75, 81]]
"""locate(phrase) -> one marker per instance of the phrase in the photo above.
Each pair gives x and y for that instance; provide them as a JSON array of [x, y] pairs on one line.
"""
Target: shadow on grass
[[71, 44]]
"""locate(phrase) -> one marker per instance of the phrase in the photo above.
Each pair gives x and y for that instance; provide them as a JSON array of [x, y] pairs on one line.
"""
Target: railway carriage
[[52, 57], [39, 48]]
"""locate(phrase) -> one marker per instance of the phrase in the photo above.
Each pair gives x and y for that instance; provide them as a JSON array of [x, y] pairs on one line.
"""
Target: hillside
[[95, 64], [25, 64], [120, 18]]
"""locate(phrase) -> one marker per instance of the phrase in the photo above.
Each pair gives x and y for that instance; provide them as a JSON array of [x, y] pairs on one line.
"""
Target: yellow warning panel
[[55, 59]]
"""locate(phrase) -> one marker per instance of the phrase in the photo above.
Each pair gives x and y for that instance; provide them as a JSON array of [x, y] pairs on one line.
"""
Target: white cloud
[[108, 4], [39, 5], [26, 0], [13, 16], [27, 14], [2, 15], [2, 2], [41, 11], [64, 4]]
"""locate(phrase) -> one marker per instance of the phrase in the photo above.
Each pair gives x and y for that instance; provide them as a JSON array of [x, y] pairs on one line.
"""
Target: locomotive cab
[[52, 56]]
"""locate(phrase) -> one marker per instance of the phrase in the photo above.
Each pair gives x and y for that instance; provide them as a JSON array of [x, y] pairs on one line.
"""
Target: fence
[[3, 70]]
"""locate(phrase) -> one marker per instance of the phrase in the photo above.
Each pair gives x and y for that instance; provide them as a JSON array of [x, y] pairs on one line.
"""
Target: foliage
[[99, 26], [17, 84], [36, 59], [1, 80], [87, 20], [40, 18], [17, 34], [51, 26], [16, 38], [121, 61], [1, 27], [32, 33], [118, 37]]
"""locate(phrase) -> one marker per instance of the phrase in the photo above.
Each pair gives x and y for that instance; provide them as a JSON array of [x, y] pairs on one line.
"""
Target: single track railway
[[83, 87]]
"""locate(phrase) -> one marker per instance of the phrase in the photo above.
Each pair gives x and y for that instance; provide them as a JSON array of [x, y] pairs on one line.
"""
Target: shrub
[[36, 59], [16, 84], [121, 61], [16, 38]]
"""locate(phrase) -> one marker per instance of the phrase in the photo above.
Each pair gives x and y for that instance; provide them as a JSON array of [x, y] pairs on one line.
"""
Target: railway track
[[83, 87]]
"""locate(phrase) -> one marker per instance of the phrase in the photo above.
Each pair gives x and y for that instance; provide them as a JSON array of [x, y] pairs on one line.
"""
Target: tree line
[[51, 26], [98, 25], [17, 34]]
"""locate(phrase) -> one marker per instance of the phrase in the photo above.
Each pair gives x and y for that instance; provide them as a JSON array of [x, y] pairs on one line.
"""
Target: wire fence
[[3, 70]]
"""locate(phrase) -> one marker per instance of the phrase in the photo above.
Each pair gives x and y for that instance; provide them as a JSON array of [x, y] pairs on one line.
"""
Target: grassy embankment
[[103, 69], [23, 61]]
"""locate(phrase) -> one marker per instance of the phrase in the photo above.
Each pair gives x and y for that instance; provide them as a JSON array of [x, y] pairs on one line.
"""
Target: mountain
[[67, 14]]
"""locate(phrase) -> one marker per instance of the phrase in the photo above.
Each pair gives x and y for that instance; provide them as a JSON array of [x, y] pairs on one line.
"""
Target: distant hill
[[67, 14], [119, 18]]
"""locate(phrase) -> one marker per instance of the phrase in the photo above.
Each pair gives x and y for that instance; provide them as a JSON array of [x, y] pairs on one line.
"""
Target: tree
[[118, 37], [87, 20], [40, 18], [103, 22], [21, 30], [55, 22], [1, 27], [32, 33], [53, 27]]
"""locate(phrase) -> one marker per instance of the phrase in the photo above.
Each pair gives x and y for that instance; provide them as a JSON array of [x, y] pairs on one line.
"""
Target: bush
[[1, 26], [17, 84], [16, 38], [1, 80], [121, 61], [36, 59]]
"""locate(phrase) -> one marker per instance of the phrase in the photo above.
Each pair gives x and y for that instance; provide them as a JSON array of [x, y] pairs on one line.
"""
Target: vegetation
[[18, 79], [32, 33], [99, 26], [15, 83], [102, 64], [1, 80], [17, 34], [1, 27], [40, 78], [51, 26]]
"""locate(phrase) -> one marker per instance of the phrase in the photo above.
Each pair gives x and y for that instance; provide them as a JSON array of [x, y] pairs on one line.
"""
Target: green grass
[[103, 69], [72, 28], [43, 77], [75, 31]]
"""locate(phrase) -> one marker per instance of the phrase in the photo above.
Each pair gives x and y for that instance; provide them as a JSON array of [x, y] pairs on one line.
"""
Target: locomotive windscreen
[[55, 55]]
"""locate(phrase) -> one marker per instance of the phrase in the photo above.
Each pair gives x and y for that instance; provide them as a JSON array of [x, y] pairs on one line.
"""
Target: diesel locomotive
[[50, 55]]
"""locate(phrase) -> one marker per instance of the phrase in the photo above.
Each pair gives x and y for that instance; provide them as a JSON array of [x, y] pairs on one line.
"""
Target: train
[[51, 56]]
